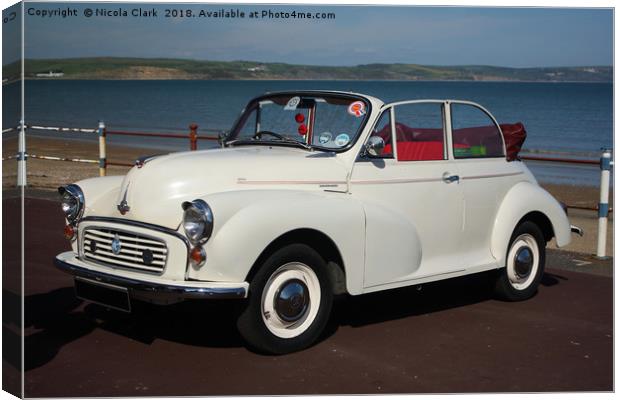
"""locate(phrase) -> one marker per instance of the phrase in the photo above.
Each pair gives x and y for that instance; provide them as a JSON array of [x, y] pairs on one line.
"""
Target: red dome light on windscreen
[[299, 118]]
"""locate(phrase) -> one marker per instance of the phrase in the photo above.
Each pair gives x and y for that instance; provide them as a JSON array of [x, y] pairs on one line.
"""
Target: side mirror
[[221, 138], [374, 146]]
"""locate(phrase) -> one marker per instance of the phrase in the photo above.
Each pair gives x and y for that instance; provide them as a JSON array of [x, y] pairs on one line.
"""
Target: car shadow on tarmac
[[58, 318], [51, 320], [419, 300]]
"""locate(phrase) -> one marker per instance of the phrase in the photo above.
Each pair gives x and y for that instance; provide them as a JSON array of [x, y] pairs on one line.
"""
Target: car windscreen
[[327, 122]]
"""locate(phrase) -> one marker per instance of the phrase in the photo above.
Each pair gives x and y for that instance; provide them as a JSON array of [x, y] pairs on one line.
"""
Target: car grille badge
[[116, 244]]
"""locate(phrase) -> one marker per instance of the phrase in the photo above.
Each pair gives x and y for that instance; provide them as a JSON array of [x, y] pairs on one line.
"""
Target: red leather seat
[[420, 151], [417, 151]]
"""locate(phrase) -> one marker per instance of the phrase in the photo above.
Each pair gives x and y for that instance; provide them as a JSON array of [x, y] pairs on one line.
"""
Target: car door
[[412, 197], [486, 176]]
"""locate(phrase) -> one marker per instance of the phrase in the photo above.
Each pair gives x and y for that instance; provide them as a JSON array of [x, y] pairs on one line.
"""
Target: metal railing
[[103, 132], [560, 160], [605, 163]]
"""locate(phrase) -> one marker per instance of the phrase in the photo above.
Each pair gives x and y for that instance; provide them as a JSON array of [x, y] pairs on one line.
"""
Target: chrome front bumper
[[155, 287]]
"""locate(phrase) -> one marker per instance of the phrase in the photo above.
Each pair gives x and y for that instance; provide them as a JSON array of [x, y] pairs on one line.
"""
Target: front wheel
[[525, 264], [289, 302]]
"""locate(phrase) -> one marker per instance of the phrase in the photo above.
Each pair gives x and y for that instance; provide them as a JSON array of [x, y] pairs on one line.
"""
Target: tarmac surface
[[448, 337]]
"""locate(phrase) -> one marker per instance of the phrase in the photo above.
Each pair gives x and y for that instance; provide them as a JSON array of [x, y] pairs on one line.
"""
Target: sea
[[567, 120]]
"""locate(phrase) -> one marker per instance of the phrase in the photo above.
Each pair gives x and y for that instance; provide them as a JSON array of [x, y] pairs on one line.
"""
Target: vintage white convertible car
[[315, 193]]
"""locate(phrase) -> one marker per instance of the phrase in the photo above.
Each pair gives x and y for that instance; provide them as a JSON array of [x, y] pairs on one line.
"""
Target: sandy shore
[[48, 175]]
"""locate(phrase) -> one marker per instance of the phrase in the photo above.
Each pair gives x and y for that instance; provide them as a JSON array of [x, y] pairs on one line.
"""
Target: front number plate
[[107, 295]]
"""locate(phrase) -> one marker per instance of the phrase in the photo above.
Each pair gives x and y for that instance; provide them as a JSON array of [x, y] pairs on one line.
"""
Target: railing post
[[603, 205], [193, 140], [103, 162], [21, 155]]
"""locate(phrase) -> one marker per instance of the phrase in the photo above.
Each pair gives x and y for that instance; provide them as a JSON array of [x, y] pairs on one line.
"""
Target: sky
[[513, 37]]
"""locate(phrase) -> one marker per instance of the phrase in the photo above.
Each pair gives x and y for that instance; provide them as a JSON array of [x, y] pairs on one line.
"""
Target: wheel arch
[[527, 201], [542, 221], [318, 241]]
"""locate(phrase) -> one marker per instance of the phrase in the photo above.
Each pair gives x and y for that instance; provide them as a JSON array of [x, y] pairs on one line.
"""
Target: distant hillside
[[161, 68]]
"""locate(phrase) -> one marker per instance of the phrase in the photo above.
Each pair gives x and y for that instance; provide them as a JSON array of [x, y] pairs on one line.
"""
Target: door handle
[[447, 178]]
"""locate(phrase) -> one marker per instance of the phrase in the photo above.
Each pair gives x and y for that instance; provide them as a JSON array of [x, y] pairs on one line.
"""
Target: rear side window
[[419, 132], [474, 134]]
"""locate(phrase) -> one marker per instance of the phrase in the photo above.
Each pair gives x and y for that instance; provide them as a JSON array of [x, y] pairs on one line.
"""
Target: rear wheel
[[289, 302], [525, 264]]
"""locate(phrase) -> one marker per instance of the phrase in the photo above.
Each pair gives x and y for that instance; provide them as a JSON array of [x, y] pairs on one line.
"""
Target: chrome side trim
[[186, 292], [243, 181], [421, 180], [396, 180], [491, 175]]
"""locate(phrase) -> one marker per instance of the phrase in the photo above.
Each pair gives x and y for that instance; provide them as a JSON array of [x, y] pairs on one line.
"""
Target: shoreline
[[302, 80]]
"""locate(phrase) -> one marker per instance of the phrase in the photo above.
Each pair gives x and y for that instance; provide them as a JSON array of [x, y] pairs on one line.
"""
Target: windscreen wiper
[[270, 142]]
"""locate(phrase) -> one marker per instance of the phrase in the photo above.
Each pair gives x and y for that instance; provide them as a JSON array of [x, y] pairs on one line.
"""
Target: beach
[[47, 175]]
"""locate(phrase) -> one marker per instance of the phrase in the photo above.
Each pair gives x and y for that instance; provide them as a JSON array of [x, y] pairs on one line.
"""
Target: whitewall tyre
[[525, 264], [289, 302]]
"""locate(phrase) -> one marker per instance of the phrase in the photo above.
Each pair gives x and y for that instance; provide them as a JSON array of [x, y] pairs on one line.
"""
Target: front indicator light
[[69, 232], [198, 256]]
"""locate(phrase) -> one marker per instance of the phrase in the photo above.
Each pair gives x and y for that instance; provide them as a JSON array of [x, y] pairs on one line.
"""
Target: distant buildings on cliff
[[50, 74]]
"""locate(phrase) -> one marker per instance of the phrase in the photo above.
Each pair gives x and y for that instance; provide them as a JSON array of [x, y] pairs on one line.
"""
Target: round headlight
[[72, 202], [197, 221]]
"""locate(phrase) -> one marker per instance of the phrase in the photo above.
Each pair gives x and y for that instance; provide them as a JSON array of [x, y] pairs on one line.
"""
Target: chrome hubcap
[[524, 261], [291, 301]]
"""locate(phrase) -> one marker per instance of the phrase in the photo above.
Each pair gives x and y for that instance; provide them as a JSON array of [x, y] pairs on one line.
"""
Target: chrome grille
[[124, 249]]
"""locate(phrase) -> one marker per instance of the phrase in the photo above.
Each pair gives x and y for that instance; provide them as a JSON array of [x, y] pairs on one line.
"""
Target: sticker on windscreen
[[342, 139], [293, 103], [325, 137], [357, 108]]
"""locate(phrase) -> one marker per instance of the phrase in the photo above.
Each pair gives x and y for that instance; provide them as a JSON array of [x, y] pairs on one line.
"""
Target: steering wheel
[[259, 134]]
